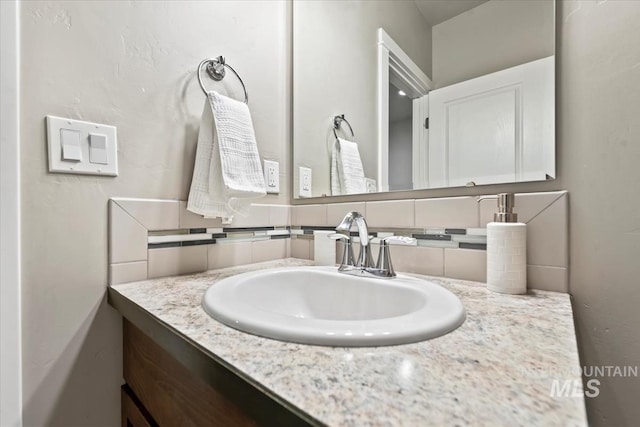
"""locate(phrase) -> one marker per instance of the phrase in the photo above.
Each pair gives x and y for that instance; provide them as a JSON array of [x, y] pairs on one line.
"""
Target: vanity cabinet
[[167, 393]]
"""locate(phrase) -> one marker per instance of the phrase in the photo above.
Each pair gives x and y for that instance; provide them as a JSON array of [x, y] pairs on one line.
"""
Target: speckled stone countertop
[[498, 368]]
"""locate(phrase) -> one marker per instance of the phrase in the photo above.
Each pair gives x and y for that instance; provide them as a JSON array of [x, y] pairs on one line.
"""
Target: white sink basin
[[318, 305]]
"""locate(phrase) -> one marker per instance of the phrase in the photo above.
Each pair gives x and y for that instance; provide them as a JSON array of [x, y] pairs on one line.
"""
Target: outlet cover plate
[[272, 176], [305, 182]]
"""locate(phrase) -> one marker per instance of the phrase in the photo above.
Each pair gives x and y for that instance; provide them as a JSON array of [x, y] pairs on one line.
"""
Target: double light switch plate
[[81, 147]]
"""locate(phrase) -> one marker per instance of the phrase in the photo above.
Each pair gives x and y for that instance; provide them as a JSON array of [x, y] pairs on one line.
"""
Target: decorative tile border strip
[[209, 236], [426, 237], [180, 244]]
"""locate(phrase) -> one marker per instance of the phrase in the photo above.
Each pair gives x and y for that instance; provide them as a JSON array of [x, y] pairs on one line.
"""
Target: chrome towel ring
[[216, 70], [337, 123]]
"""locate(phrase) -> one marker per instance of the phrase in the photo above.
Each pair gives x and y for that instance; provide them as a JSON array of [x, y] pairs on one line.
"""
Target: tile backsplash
[[155, 238]]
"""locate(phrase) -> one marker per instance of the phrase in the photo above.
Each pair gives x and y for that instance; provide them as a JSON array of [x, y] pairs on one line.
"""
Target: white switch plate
[[305, 182], [272, 176], [88, 165]]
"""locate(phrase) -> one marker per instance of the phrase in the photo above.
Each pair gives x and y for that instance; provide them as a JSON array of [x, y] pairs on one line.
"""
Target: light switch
[[98, 149], [70, 141]]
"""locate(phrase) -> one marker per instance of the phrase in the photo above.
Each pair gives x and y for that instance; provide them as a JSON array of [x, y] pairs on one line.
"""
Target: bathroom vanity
[[498, 368]]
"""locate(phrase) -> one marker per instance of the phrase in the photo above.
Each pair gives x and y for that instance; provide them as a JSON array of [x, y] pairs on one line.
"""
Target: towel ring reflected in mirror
[[215, 68], [337, 124]]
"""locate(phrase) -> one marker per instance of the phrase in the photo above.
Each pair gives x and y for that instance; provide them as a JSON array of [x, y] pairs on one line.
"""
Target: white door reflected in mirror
[[494, 128]]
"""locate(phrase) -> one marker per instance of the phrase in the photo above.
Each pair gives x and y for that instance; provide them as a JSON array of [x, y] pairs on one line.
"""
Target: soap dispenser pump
[[506, 249]]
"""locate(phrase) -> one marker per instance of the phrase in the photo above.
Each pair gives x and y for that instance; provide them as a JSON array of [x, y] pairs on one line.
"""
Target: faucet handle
[[339, 236], [384, 259], [347, 256], [403, 240], [384, 265]]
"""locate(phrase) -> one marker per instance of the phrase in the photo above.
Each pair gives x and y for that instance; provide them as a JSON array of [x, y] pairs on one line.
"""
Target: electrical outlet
[[304, 177], [272, 176]]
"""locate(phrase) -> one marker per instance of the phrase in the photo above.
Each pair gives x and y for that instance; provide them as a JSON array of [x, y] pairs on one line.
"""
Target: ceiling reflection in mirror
[[437, 93]]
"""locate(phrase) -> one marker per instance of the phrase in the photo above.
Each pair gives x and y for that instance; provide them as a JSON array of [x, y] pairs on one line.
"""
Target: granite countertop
[[496, 369]]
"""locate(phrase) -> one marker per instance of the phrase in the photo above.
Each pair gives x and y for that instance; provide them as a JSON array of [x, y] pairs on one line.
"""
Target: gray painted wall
[[491, 37], [400, 155], [132, 65], [599, 152]]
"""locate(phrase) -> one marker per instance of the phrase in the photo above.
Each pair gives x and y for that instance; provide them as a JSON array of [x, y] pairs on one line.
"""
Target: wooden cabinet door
[[169, 391], [133, 413]]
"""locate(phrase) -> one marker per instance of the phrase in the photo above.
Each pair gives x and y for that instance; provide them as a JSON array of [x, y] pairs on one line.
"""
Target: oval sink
[[318, 305]]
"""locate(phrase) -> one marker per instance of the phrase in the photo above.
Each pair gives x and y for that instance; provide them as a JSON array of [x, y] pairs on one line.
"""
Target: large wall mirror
[[407, 95]]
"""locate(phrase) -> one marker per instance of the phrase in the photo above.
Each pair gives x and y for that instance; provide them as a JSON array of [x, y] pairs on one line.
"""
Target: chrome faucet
[[365, 260], [364, 265]]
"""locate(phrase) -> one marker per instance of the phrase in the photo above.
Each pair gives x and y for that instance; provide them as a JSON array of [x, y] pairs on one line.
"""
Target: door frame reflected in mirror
[[395, 66]]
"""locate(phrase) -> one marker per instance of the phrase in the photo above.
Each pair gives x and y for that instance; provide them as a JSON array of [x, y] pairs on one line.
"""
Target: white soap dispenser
[[506, 249]]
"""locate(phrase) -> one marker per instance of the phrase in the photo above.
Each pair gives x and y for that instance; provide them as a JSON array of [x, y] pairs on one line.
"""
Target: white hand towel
[[227, 174], [348, 167], [336, 188]]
